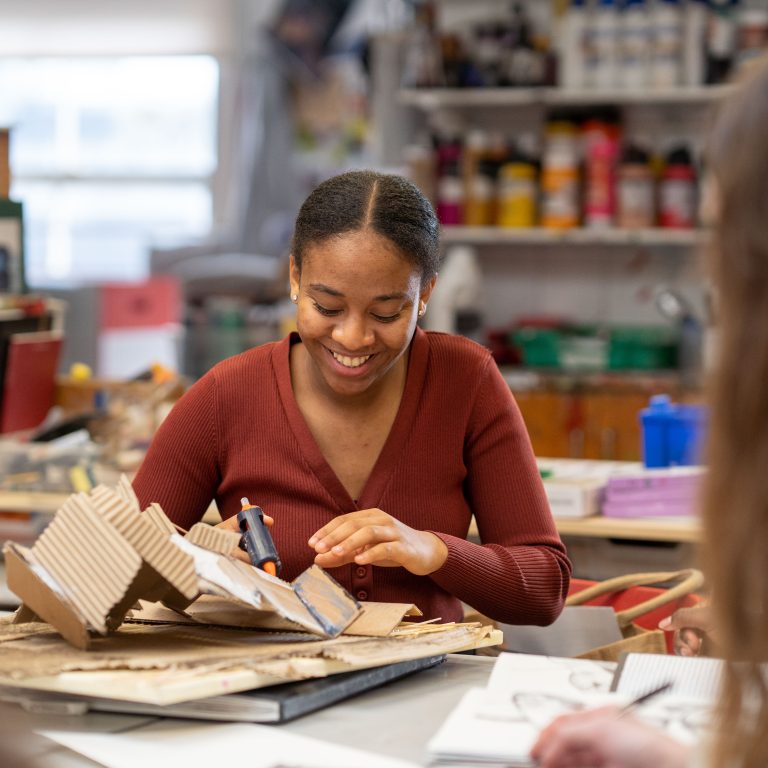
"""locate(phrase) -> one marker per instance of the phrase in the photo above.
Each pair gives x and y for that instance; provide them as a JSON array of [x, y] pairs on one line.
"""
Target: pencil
[[642, 699]]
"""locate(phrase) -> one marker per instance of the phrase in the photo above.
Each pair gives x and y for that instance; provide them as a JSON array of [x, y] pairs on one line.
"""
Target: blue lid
[[608, 3], [660, 403]]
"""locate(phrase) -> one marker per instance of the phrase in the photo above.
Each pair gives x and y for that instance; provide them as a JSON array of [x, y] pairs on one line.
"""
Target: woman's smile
[[350, 361]]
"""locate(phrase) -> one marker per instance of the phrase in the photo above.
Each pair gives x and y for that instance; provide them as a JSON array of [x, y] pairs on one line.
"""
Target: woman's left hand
[[599, 737], [372, 537]]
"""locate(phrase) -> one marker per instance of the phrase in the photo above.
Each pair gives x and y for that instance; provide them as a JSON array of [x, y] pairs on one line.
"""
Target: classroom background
[[154, 154]]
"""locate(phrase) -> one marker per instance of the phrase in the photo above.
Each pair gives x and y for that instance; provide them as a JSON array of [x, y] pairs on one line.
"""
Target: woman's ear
[[426, 291], [294, 276]]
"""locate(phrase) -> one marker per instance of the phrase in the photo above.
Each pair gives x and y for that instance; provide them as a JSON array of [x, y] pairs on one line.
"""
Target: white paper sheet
[[515, 672], [175, 742]]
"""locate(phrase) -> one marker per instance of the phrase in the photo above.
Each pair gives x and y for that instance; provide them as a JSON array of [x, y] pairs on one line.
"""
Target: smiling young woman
[[370, 442]]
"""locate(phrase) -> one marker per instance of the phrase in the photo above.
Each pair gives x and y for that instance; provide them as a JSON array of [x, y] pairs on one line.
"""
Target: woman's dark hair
[[387, 204]]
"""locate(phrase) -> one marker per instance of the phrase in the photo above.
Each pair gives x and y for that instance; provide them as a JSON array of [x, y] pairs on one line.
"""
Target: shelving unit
[[599, 276], [436, 98], [675, 238]]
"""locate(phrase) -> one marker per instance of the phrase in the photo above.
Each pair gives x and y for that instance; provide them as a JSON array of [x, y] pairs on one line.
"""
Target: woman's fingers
[[231, 523], [343, 527], [373, 537]]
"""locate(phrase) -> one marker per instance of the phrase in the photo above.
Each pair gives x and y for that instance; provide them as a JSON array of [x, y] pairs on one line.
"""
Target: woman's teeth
[[350, 362]]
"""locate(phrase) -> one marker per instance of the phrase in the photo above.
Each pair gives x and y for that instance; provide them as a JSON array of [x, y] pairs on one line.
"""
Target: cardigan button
[[361, 571], [362, 594]]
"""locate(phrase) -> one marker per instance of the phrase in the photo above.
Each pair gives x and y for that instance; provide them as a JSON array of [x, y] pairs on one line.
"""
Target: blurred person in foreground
[[735, 503]]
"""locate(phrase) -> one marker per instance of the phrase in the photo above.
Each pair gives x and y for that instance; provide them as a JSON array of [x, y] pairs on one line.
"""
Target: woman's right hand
[[231, 524], [692, 627], [599, 737]]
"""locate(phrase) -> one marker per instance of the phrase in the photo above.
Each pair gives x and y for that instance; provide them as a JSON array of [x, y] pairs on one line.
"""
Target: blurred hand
[[372, 537], [231, 524], [599, 738], [692, 626]]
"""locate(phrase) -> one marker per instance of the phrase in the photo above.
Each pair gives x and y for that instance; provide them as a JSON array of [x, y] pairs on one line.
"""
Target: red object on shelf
[[30, 379], [149, 304]]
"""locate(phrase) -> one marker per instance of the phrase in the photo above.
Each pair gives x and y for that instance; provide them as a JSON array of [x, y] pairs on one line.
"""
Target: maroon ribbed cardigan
[[458, 447]]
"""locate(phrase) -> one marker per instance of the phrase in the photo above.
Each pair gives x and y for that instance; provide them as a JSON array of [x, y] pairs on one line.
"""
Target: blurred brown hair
[[20, 747], [736, 501]]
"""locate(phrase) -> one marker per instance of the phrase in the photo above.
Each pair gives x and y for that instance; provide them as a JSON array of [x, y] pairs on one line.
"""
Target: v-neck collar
[[392, 449]]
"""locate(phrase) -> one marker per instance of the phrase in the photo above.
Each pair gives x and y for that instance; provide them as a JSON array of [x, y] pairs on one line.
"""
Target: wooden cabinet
[[592, 419]]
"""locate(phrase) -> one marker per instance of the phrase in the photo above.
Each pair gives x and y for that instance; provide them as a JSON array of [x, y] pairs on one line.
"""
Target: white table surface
[[396, 720]]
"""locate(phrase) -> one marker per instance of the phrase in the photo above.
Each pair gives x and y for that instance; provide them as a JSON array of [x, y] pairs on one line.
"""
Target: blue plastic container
[[685, 438], [655, 421], [673, 435]]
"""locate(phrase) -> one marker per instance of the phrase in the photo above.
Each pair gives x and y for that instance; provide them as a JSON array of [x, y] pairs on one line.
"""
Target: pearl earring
[[422, 309], [294, 297]]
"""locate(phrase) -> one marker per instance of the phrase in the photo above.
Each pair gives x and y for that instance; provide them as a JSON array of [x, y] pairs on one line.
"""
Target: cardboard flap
[[155, 515], [24, 614], [151, 612], [328, 602], [215, 539], [212, 610], [31, 584], [220, 575], [125, 490], [380, 619], [281, 596], [78, 536], [222, 611], [155, 546]]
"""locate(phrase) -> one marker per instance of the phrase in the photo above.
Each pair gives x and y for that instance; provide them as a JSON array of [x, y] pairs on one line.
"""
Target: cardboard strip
[[380, 619], [155, 515], [215, 539], [125, 489]]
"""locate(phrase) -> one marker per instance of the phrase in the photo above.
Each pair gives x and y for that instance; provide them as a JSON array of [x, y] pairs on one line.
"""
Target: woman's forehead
[[359, 256]]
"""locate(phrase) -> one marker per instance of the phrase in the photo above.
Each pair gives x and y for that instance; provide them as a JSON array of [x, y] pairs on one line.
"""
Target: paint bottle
[[601, 141], [694, 38], [480, 199], [635, 190], [667, 44], [573, 31], [601, 44], [634, 44], [478, 188], [450, 195], [721, 39], [560, 176], [517, 194], [677, 191]]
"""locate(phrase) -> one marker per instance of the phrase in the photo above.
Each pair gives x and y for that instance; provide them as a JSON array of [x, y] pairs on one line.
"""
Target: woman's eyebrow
[[391, 296], [321, 288], [325, 289]]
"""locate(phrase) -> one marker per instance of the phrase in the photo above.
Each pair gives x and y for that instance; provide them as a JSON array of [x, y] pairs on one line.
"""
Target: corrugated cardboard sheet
[[100, 555], [116, 603]]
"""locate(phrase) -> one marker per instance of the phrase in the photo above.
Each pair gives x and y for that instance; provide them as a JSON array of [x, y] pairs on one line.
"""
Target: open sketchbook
[[692, 676], [499, 724]]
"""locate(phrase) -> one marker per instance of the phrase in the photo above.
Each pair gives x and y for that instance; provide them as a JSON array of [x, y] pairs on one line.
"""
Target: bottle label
[[635, 202], [677, 204]]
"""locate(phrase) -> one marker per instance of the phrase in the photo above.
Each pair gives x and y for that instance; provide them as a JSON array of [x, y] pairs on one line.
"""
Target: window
[[110, 156]]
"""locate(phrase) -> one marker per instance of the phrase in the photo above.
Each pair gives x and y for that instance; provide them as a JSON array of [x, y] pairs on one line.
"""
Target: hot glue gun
[[256, 539]]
